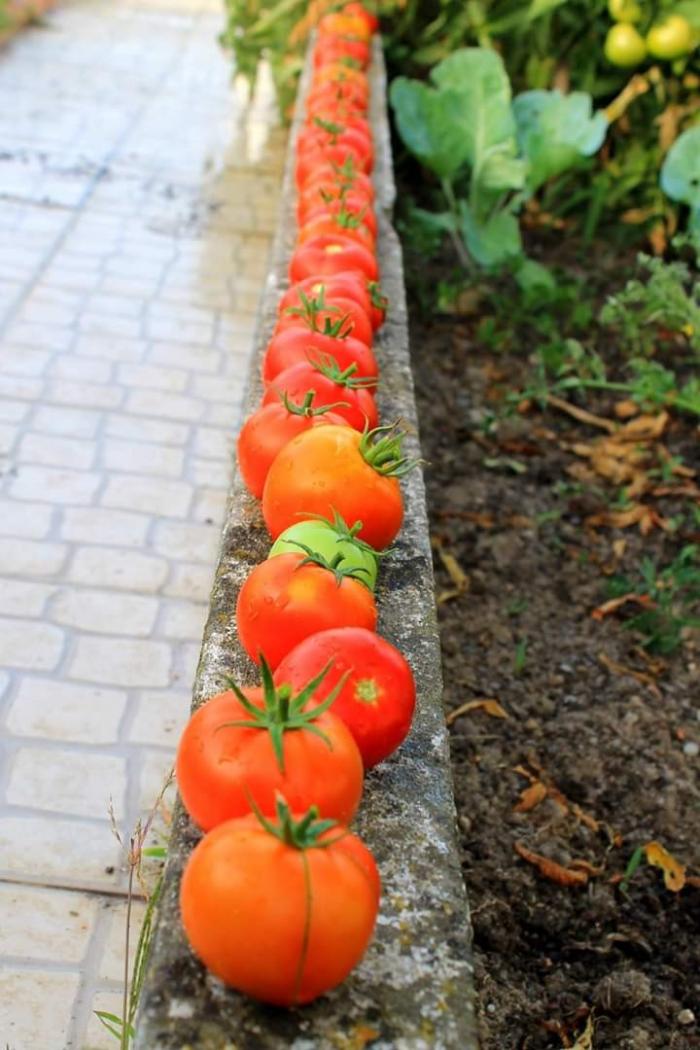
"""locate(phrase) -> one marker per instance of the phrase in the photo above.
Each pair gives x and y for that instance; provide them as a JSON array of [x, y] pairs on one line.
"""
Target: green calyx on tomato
[[305, 408], [312, 306], [625, 10], [671, 38], [329, 367], [385, 453], [329, 127], [282, 711], [624, 46], [337, 564], [299, 834], [377, 297], [331, 538]]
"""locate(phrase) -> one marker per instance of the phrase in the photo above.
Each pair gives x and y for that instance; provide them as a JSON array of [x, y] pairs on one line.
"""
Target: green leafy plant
[[490, 153], [674, 594], [667, 299]]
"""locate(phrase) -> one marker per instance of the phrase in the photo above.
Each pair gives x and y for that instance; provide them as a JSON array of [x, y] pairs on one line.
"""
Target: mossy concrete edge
[[414, 989]]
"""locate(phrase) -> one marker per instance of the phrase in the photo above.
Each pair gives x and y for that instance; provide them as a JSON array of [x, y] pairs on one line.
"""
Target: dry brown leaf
[[490, 706], [455, 572], [635, 216], [626, 409], [585, 818], [584, 865], [629, 672], [640, 514], [674, 871], [644, 428], [531, 797], [658, 238], [635, 87], [581, 414], [550, 869], [614, 604], [669, 123]]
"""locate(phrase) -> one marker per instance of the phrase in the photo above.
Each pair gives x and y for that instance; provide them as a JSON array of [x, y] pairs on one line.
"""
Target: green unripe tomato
[[624, 46], [671, 38], [625, 10], [323, 538]]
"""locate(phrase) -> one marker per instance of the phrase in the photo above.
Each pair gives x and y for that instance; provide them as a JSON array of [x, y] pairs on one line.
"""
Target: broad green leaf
[[531, 275], [680, 174], [494, 242], [430, 124], [477, 77], [555, 131], [501, 169]]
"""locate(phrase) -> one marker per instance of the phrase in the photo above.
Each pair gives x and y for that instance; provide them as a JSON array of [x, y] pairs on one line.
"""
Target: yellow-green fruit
[[624, 46], [671, 38], [625, 10]]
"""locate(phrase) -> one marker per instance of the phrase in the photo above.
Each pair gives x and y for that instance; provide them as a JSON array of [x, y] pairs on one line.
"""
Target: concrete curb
[[413, 990]]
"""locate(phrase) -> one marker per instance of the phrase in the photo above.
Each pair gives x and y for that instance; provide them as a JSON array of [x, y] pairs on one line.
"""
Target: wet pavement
[[138, 193]]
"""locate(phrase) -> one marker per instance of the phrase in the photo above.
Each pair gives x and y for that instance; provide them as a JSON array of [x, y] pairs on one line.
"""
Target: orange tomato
[[268, 430], [251, 744], [281, 911], [337, 469]]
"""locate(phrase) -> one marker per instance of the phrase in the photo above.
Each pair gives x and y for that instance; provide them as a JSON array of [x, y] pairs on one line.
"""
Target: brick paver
[[138, 192]]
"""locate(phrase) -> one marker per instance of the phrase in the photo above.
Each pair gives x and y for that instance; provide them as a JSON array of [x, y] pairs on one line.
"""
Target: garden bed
[[598, 754]]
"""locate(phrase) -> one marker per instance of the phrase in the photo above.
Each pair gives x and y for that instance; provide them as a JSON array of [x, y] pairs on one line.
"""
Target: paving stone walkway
[[138, 194]]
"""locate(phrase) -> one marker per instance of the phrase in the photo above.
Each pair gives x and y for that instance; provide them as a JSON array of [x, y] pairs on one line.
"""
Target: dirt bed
[[598, 753]]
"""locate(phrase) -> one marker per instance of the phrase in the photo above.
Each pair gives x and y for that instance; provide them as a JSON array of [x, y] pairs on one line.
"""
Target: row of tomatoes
[[279, 899]]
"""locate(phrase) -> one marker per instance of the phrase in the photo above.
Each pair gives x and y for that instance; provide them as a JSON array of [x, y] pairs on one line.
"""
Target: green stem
[[459, 245]]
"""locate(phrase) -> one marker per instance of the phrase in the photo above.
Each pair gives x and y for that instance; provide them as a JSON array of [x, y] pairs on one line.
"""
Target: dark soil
[[621, 749]]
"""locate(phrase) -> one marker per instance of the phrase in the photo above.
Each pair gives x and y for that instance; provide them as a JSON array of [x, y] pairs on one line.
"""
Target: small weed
[[122, 1028], [548, 515], [675, 594], [667, 300], [520, 656], [517, 606]]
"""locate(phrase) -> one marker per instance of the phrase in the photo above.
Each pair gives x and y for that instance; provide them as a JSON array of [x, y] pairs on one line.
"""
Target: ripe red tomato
[[339, 73], [358, 11], [351, 285], [319, 133], [346, 96], [346, 176], [338, 153], [378, 305], [328, 255], [268, 430], [296, 344], [281, 910], [332, 469], [378, 696], [283, 601], [340, 222], [351, 120], [260, 742], [311, 206], [336, 316], [330, 385], [335, 49]]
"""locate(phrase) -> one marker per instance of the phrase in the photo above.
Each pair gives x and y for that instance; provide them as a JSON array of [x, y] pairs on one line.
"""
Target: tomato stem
[[335, 565], [329, 367], [300, 834], [385, 454], [281, 710], [305, 409]]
